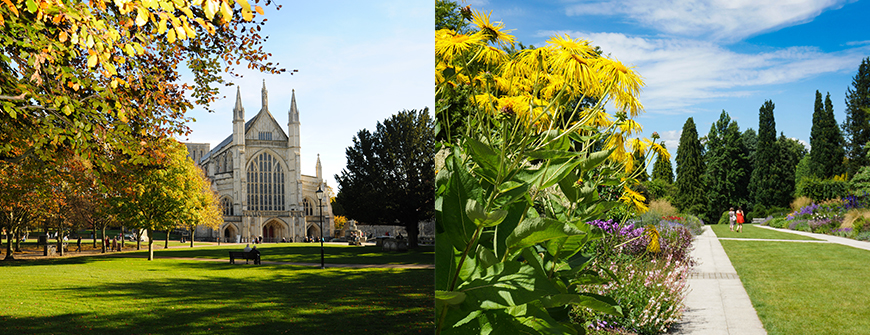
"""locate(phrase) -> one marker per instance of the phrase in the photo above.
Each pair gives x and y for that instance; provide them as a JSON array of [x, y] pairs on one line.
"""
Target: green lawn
[[310, 253], [110, 295], [752, 231], [804, 288]]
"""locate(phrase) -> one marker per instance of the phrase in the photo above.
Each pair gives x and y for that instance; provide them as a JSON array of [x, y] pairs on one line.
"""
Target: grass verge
[[752, 231], [107, 295], [804, 288], [310, 253]]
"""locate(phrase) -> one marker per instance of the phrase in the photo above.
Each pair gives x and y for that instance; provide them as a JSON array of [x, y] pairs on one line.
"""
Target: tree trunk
[[150, 248], [166, 245], [192, 231], [95, 235], [413, 230], [103, 238], [18, 240], [9, 256], [60, 238], [139, 232]]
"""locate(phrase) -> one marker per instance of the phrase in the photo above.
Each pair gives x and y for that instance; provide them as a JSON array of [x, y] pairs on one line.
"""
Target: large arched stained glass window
[[265, 184]]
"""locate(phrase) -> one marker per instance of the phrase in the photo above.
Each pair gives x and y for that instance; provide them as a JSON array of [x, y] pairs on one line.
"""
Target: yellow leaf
[[259, 10], [226, 12], [187, 29], [244, 4], [141, 17], [92, 60], [179, 31], [247, 15], [161, 26], [170, 35], [210, 8]]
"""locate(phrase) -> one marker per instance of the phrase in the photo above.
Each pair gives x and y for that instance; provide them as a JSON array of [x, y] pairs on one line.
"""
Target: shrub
[[818, 189], [863, 236], [724, 218], [800, 202], [659, 190], [777, 222], [854, 214], [663, 207]]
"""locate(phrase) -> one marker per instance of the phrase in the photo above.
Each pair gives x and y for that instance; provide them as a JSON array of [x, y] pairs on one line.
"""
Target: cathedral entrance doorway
[[313, 231], [272, 231], [230, 234]]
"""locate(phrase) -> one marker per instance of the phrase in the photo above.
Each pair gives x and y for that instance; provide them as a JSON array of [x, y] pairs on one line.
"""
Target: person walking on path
[[732, 218], [739, 216], [79, 244]]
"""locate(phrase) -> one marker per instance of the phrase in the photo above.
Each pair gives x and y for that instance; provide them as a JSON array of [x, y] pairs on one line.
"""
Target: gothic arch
[[227, 205], [267, 178], [229, 231], [274, 230]]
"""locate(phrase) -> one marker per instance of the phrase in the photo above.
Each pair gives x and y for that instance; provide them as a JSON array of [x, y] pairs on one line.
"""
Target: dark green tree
[[689, 187], [767, 183], [791, 153], [727, 173], [390, 174], [662, 169], [826, 158], [856, 127], [640, 166], [449, 15]]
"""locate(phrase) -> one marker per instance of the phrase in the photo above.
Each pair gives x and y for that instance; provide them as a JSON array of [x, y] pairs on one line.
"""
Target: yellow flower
[[492, 56], [577, 47], [492, 32], [626, 85], [630, 127], [448, 44], [653, 235]]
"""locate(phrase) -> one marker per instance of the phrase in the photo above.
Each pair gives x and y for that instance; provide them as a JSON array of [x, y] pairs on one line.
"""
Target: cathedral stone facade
[[257, 175]]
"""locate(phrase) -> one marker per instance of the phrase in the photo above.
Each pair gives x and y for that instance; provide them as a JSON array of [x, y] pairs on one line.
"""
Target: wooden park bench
[[244, 255]]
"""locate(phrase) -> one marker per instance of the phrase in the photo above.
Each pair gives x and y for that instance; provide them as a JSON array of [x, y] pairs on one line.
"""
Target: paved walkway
[[716, 302], [829, 238]]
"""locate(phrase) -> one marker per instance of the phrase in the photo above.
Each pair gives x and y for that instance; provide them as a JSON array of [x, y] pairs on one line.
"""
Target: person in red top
[[739, 219]]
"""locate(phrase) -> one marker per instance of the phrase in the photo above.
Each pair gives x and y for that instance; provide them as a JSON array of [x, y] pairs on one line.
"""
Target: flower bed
[[650, 286], [841, 217]]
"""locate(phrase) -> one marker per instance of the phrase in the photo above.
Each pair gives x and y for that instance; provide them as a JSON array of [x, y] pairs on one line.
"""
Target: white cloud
[[729, 20], [671, 139], [680, 73]]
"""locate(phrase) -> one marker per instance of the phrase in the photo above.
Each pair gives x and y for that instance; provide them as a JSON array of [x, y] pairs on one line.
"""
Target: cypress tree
[[662, 169], [690, 197], [766, 185], [826, 158], [791, 154], [856, 127], [727, 172], [640, 166]]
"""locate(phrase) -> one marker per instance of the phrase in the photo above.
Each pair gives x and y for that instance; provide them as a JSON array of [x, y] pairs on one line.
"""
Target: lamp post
[[319, 193]]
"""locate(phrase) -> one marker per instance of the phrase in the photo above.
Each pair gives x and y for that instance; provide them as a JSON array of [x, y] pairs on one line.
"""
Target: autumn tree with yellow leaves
[[98, 77], [521, 178]]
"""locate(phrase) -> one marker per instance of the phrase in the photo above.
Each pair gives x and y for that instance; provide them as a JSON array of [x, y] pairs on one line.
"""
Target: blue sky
[[700, 57], [359, 63]]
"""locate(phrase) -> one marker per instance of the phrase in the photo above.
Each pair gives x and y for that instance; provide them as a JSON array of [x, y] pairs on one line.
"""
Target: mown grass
[[752, 231], [310, 253], [109, 295], [804, 288]]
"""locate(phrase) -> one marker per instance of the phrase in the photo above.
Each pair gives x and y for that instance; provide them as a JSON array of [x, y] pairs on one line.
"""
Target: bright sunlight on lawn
[[803, 288], [115, 295]]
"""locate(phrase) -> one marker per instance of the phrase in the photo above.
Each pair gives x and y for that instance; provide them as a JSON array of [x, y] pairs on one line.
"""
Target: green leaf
[[485, 157], [449, 297], [596, 302], [595, 159], [31, 6], [537, 230], [553, 154], [549, 173], [506, 284], [569, 186]]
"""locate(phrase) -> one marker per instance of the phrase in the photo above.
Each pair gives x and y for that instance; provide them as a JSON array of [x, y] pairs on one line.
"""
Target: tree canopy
[[100, 77], [662, 168], [728, 169], [856, 127], [767, 185], [826, 141], [390, 174], [689, 195]]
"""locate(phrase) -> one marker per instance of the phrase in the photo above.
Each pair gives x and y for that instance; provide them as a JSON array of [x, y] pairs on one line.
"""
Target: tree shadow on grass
[[197, 299], [310, 253]]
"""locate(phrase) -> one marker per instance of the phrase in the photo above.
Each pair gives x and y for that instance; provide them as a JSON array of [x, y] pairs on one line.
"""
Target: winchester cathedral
[[258, 178]]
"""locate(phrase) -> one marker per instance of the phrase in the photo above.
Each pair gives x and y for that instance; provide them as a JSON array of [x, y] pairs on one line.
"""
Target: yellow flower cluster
[[543, 87]]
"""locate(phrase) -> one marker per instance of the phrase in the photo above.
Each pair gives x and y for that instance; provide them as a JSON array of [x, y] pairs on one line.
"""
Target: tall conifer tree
[[791, 153], [767, 181], [826, 141], [689, 185], [662, 169], [728, 168], [856, 127]]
